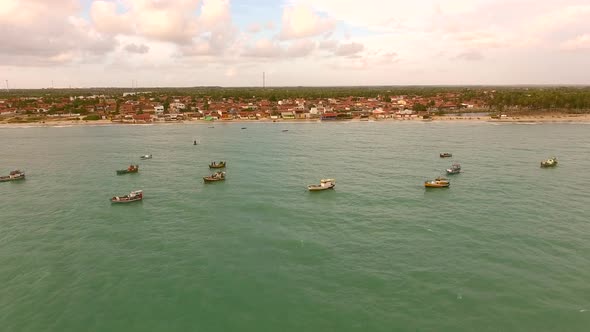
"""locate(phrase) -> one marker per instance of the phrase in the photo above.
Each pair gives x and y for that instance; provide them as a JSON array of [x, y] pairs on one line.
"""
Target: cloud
[[301, 21], [38, 33], [470, 56], [349, 49], [264, 48], [135, 48], [580, 43], [105, 18], [300, 48], [272, 49], [254, 28]]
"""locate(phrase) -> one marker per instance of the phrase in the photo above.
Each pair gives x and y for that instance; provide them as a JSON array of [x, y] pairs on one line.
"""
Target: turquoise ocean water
[[506, 248]]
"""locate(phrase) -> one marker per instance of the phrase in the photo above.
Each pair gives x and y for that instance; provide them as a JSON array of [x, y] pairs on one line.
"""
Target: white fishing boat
[[325, 184], [133, 196], [13, 176], [146, 156]]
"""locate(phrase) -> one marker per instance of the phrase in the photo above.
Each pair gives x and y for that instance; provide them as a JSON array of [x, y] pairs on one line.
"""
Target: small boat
[[324, 185], [551, 162], [437, 183], [133, 196], [446, 155], [219, 176], [215, 164], [146, 156], [195, 142], [130, 169], [285, 130], [13, 176], [455, 169], [243, 127]]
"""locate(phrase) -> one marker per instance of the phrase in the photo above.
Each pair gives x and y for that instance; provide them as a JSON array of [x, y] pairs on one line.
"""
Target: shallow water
[[506, 248]]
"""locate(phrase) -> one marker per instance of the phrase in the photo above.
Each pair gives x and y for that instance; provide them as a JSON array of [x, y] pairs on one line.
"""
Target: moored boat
[[133, 196], [437, 183], [215, 164], [219, 176], [551, 162], [13, 176], [130, 169], [325, 184], [146, 156], [455, 169], [445, 155]]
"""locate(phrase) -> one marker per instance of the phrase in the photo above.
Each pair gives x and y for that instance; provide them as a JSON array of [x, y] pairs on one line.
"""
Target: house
[[142, 117], [159, 109], [177, 106], [330, 116], [288, 115]]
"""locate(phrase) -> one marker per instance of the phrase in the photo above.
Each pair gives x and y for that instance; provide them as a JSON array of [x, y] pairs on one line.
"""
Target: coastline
[[538, 119]]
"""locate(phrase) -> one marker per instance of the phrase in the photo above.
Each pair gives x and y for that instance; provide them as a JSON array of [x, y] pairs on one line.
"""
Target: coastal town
[[158, 107]]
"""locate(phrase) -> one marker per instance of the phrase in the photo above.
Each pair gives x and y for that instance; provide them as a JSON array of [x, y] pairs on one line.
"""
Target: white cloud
[[349, 49], [580, 43], [36, 33], [301, 21], [135, 48]]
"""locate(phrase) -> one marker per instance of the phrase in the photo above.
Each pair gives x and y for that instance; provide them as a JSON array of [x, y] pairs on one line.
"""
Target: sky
[[150, 43]]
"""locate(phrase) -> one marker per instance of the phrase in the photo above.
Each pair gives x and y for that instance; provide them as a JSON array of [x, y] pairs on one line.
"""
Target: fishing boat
[[133, 196], [215, 164], [437, 183], [551, 162], [146, 156], [455, 169], [445, 155], [13, 176], [130, 169], [325, 184], [219, 176]]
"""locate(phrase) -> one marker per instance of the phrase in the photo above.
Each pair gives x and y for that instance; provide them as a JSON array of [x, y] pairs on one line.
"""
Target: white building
[[159, 109]]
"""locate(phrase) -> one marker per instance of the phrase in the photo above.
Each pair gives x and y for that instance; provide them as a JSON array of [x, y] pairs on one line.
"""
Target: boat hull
[[124, 171], [207, 179], [114, 201], [9, 179], [217, 166], [319, 188], [437, 185]]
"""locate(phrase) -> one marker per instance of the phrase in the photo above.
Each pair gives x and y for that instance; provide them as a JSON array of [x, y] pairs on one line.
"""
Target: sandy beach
[[545, 118]]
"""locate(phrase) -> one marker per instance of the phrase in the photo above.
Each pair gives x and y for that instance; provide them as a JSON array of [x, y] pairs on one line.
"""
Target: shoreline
[[539, 119]]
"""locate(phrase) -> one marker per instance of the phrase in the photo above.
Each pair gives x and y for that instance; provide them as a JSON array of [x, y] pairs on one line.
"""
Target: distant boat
[[133, 196], [325, 184], [243, 127], [13, 176], [130, 169], [195, 142], [146, 156], [212, 127], [446, 155], [437, 183], [551, 162], [285, 130], [455, 169], [215, 164], [219, 176]]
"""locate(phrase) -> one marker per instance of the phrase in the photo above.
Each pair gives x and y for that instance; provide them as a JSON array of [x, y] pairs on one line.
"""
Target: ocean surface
[[505, 248]]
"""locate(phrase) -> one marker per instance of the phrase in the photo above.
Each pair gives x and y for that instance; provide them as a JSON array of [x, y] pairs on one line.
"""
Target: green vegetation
[[92, 117], [500, 99]]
